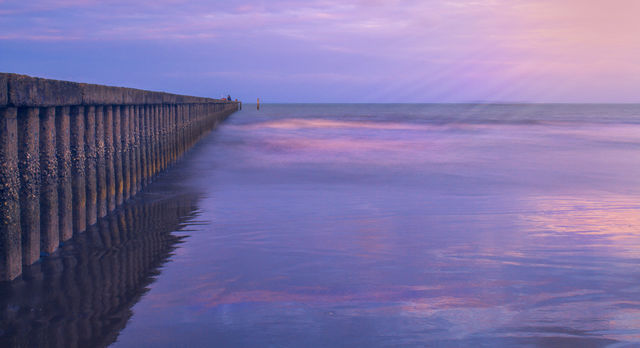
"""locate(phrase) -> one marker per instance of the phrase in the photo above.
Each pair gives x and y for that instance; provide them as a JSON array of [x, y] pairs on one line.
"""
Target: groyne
[[71, 153], [108, 268]]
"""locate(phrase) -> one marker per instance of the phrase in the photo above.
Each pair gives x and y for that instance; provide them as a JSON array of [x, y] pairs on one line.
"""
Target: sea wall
[[71, 153], [107, 269]]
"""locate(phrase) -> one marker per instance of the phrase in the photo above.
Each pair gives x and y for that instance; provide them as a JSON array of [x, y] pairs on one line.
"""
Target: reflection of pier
[[82, 297], [72, 152]]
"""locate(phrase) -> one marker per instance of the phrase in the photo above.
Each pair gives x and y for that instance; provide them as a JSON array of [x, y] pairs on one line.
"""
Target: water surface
[[403, 225]]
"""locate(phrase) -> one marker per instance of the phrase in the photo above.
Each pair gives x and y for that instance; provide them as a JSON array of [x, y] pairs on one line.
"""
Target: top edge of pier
[[26, 91]]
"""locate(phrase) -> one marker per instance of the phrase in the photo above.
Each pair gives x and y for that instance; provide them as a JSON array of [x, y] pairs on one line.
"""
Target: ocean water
[[366, 226]]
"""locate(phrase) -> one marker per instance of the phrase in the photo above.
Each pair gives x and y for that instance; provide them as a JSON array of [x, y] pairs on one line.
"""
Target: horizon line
[[450, 103]]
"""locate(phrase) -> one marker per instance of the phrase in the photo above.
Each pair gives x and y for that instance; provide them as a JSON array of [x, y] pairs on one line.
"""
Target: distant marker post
[[258, 103]]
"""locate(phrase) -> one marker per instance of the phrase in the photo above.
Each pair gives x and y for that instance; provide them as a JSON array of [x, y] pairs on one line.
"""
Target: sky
[[334, 50]]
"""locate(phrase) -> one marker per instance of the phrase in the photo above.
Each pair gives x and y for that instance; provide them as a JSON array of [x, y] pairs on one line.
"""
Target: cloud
[[513, 48]]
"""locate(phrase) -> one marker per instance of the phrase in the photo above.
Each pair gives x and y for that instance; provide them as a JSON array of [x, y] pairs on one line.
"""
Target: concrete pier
[[117, 260], [71, 153]]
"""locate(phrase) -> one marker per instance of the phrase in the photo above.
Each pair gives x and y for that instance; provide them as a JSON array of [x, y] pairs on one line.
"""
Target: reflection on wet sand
[[307, 236], [607, 224], [83, 295]]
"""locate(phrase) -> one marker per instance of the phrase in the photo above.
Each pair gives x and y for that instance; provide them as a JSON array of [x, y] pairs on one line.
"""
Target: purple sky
[[334, 51]]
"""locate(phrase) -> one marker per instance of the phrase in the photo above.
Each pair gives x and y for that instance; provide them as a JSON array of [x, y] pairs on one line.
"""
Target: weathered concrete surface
[[173, 134], [109, 158], [117, 155], [163, 137], [78, 170], [126, 153], [10, 239], [4, 94], [101, 95], [133, 96], [101, 164], [63, 147], [153, 98], [49, 233], [90, 164], [139, 118], [30, 91], [72, 152], [173, 123], [187, 126], [144, 142], [167, 136], [155, 133], [133, 121], [21, 90], [29, 167]]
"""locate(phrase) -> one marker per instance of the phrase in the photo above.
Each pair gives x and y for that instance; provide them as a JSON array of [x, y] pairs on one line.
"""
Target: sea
[[363, 225]]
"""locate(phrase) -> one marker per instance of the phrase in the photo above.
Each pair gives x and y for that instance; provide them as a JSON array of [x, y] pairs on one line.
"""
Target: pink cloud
[[513, 49]]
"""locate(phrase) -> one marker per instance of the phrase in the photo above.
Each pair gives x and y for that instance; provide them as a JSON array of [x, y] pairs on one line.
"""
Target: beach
[[384, 225]]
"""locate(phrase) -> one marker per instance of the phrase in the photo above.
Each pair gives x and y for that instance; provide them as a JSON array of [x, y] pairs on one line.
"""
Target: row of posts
[[62, 168], [114, 263]]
